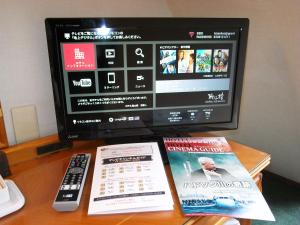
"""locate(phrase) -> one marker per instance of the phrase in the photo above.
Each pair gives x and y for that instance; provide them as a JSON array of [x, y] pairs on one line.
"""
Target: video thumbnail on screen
[[220, 63], [186, 61], [203, 60], [168, 61]]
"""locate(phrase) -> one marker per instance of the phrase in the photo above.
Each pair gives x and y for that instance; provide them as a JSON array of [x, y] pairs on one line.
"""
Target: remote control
[[69, 193]]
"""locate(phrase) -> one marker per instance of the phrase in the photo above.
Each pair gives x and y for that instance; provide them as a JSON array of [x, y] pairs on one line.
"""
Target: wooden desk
[[39, 179], [3, 137]]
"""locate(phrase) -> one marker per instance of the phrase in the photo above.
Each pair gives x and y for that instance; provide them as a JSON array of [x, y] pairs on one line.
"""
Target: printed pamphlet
[[210, 180], [129, 178]]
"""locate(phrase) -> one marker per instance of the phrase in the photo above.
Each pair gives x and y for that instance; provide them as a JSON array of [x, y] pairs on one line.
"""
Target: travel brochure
[[210, 180]]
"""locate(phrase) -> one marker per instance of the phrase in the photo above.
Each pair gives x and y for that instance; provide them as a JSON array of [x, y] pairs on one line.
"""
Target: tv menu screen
[[137, 77]]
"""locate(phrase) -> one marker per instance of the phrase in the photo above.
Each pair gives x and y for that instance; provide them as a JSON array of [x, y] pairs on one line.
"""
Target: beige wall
[[25, 72], [270, 113]]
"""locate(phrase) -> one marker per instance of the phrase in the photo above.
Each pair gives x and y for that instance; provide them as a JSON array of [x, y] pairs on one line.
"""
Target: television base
[[58, 146]]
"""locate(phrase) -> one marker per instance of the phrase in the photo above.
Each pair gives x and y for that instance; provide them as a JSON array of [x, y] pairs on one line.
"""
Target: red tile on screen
[[79, 56]]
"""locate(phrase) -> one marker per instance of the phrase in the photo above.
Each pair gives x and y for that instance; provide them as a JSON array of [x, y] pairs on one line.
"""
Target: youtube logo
[[82, 82]]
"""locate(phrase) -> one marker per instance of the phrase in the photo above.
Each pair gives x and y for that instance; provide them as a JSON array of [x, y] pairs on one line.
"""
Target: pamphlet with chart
[[129, 178]]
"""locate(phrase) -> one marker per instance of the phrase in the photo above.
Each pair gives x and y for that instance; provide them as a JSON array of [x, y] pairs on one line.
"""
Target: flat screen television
[[117, 77]]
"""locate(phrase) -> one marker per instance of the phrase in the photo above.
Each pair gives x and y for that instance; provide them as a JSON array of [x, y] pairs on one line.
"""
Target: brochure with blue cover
[[210, 180]]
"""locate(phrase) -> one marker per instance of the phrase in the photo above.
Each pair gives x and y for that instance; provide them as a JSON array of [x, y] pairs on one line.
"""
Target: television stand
[[27, 169]]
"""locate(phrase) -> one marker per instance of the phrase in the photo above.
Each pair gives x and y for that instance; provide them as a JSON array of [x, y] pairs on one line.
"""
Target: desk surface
[[39, 179]]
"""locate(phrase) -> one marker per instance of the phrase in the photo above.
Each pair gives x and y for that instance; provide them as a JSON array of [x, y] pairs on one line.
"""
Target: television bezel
[[59, 101]]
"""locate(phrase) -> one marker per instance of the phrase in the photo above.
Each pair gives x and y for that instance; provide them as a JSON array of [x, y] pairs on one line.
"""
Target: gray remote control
[[69, 193]]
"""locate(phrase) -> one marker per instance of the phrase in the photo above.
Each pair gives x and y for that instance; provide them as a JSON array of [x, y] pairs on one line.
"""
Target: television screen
[[127, 76]]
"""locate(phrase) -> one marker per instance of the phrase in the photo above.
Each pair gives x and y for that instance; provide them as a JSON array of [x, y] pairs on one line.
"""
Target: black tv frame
[[51, 23]]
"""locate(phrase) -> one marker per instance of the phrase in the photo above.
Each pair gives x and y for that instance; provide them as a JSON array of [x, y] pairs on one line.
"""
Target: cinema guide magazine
[[210, 180]]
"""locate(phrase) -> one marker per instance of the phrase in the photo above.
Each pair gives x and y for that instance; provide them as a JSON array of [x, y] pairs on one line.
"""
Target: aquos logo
[[82, 83]]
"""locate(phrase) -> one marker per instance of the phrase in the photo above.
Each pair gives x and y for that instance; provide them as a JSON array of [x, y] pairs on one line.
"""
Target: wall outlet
[[25, 123]]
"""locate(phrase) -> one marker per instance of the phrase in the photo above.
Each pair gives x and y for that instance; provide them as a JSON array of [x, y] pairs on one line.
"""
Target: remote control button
[[65, 187], [73, 187], [76, 170]]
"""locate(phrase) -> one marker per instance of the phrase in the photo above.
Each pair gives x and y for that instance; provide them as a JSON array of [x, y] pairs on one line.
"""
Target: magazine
[[129, 178], [210, 180]]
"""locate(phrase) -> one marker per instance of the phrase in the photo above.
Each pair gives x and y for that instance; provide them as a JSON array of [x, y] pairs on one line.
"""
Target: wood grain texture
[[3, 136], [27, 151], [39, 179]]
